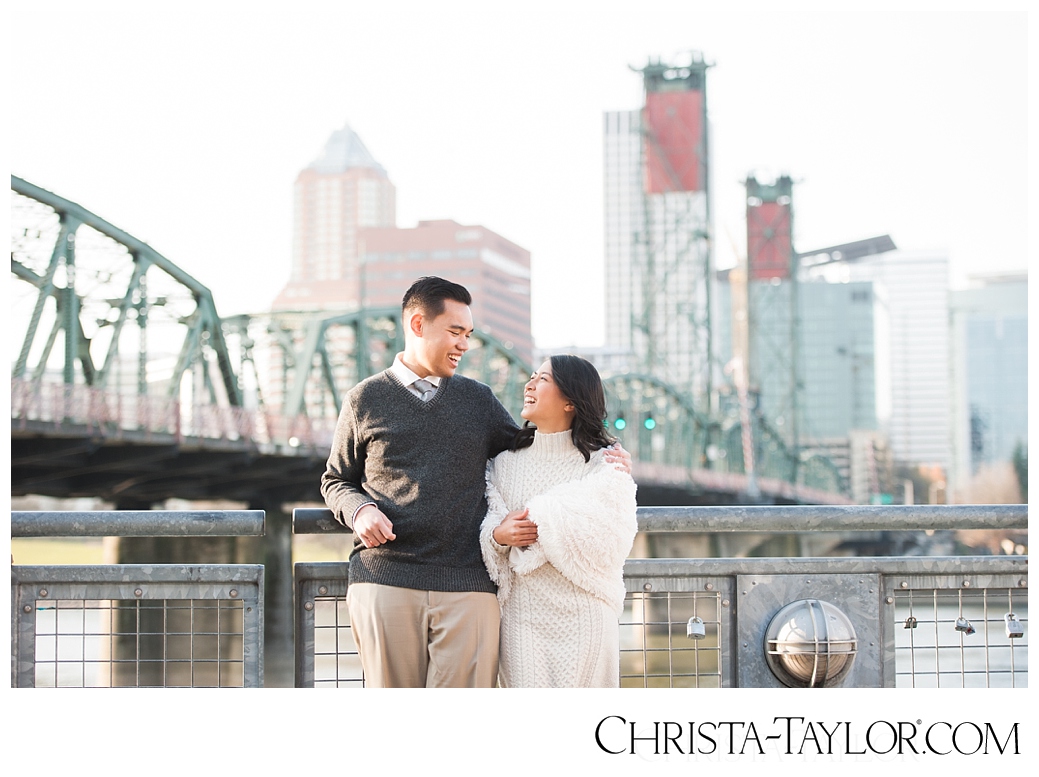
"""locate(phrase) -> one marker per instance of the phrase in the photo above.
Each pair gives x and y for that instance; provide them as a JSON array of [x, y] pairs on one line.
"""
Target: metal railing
[[919, 621], [117, 415], [137, 625]]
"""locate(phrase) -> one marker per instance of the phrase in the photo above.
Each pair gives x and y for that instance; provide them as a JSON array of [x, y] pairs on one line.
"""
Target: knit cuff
[[354, 516]]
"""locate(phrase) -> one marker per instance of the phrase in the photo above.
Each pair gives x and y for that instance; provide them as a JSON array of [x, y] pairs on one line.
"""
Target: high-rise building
[[656, 217], [912, 288], [989, 324], [340, 193], [835, 370]]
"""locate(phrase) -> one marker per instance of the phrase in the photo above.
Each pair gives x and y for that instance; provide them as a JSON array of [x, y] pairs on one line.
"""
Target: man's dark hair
[[429, 292]]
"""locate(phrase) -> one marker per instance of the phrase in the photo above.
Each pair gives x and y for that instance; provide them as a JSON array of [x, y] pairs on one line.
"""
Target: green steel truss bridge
[[126, 384]]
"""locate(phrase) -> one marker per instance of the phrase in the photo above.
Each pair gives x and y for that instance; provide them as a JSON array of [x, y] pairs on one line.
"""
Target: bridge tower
[[773, 319], [658, 229]]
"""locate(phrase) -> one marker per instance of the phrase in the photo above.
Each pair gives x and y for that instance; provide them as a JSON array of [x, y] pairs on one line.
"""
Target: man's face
[[443, 340]]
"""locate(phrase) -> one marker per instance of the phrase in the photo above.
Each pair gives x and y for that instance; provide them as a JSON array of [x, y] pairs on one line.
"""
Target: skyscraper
[[989, 323], [913, 290], [341, 192]]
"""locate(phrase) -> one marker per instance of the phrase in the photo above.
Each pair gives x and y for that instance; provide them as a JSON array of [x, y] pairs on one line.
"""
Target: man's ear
[[415, 323]]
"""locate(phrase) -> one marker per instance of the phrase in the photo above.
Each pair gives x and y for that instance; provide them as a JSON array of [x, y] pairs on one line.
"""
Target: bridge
[[129, 386]]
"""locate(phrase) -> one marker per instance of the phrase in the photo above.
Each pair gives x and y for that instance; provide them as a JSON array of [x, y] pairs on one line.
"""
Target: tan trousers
[[425, 639]]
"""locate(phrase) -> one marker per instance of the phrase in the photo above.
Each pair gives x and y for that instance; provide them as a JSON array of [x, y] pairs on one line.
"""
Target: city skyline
[[915, 129]]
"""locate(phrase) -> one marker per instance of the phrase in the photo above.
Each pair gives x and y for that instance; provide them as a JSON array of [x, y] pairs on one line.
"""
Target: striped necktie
[[426, 389]]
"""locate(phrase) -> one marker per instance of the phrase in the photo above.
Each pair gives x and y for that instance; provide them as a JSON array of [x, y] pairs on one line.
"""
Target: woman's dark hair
[[579, 382]]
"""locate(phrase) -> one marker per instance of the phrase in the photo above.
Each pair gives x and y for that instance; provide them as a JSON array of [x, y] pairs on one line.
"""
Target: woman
[[560, 522]]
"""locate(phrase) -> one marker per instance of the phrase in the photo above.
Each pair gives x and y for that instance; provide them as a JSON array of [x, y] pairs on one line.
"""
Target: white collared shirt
[[405, 375]]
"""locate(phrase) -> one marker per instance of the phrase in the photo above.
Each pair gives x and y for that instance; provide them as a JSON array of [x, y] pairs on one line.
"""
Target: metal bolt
[[308, 606], [903, 584], [966, 583], [43, 593], [709, 586], [725, 602], [890, 600], [1022, 583], [27, 608], [647, 587], [138, 592], [323, 590], [233, 593]]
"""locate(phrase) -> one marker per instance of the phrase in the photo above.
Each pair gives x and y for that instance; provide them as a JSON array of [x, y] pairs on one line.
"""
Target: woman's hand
[[618, 457], [516, 530]]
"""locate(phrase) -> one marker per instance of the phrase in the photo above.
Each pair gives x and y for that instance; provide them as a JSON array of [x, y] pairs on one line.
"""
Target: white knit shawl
[[585, 530]]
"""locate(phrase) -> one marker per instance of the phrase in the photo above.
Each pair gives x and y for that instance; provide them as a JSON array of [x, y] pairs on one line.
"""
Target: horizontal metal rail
[[139, 523], [664, 568], [777, 518]]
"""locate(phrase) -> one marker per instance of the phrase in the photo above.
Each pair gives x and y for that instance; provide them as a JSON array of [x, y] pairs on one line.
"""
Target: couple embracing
[[484, 554]]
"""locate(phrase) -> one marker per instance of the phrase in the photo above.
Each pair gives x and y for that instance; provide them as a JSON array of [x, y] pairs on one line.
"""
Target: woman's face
[[544, 404]]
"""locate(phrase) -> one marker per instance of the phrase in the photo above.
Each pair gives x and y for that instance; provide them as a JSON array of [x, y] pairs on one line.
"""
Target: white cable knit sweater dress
[[562, 596]]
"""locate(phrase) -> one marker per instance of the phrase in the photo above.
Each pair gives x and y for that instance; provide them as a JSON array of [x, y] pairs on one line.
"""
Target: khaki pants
[[425, 639]]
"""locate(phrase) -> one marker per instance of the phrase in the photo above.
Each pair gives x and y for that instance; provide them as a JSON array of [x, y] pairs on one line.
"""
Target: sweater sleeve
[[585, 530], [344, 470], [495, 556], [502, 428]]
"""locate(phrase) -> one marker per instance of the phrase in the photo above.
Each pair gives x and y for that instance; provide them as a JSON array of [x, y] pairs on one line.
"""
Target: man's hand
[[618, 457], [516, 529], [372, 527]]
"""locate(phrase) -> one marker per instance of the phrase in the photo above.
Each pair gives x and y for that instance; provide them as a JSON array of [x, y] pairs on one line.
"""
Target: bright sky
[[186, 124]]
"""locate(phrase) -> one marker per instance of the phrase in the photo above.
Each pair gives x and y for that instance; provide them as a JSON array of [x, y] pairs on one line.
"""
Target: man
[[406, 473]]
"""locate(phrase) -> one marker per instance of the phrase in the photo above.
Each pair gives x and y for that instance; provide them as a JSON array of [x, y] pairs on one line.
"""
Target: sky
[[186, 125]]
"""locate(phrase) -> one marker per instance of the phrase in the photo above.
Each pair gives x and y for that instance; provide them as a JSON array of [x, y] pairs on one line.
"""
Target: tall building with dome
[[337, 195], [349, 253]]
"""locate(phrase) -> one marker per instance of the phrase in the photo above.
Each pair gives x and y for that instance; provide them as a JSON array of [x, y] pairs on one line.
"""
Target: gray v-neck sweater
[[423, 464]]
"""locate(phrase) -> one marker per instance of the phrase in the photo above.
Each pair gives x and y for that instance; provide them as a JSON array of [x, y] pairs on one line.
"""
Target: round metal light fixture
[[810, 644]]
